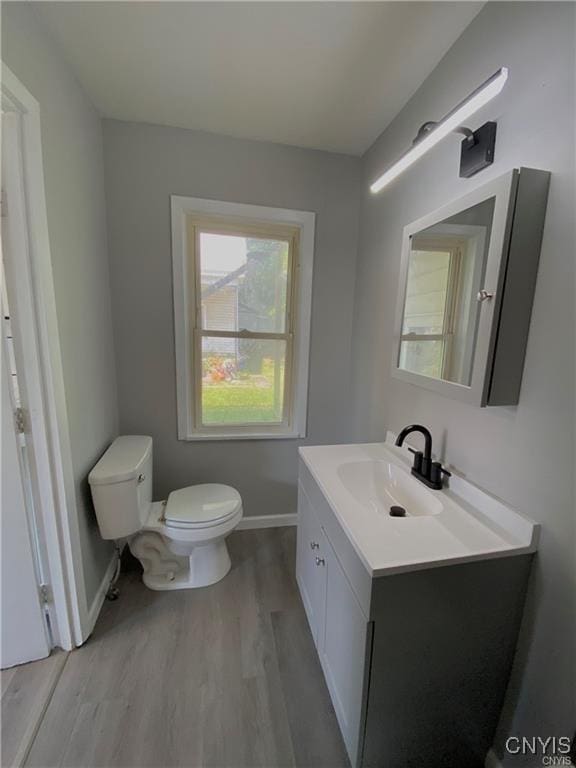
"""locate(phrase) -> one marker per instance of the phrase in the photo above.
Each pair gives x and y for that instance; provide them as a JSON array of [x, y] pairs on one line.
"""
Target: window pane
[[424, 357], [242, 381], [243, 283], [426, 292]]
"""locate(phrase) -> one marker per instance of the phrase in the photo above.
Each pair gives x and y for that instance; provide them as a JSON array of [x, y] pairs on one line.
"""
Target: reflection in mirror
[[446, 269]]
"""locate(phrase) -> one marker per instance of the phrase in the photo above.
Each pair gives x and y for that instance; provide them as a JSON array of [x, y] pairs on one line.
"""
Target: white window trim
[[181, 207]]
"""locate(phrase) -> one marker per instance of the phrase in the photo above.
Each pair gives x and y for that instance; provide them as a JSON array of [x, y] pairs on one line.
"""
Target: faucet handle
[[418, 456], [436, 472]]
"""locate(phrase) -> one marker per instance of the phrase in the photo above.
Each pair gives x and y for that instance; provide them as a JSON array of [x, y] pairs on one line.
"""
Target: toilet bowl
[[180, 542]]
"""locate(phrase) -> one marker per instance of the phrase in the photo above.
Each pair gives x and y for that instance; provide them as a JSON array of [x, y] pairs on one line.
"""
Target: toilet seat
[[201, 506]]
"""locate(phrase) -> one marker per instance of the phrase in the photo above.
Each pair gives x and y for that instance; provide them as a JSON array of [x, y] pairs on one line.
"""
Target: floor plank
[[310, 713], [26, 691], [221, 677]]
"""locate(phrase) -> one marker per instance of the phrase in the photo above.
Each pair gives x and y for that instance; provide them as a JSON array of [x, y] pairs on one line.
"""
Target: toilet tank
[[121, 485]]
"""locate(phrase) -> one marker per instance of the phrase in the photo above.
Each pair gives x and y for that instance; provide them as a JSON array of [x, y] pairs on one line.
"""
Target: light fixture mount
[[477, 150]]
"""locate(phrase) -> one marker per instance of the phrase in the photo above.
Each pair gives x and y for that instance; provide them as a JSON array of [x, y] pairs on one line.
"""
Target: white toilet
[[180, 542]]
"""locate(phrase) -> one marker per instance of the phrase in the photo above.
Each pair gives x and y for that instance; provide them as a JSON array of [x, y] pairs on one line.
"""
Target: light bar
[[471, 104]]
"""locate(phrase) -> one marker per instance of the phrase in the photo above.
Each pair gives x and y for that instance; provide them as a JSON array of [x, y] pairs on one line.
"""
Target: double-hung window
[[432, 295], [242, 293]]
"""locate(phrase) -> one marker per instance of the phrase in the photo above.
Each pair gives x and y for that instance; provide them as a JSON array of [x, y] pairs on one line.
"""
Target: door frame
[[33, 306]]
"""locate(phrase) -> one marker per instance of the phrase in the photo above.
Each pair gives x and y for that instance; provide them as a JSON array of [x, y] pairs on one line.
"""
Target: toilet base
[[206, 565], [209, 563], [163, 569], [181, 558]]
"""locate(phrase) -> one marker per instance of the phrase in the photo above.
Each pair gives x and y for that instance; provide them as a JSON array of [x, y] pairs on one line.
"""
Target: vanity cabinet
[[310, 549], [342, 650], [416, 663], [339, 626]]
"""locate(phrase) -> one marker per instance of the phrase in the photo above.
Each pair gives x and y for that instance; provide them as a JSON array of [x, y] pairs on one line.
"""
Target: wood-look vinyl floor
[[26, 692], [221, 677]]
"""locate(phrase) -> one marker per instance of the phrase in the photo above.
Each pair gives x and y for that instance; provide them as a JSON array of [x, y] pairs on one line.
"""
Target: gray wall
[[72, 155], [144, 165], [524, 454]]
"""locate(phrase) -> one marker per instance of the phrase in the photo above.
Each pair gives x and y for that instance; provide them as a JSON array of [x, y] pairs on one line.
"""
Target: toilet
[[180, 542]]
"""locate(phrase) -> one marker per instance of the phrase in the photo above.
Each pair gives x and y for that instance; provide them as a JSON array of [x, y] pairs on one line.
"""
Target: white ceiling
[[328, 75]]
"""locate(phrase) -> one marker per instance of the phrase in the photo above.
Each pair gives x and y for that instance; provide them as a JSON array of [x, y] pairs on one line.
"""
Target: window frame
[[201, 215]]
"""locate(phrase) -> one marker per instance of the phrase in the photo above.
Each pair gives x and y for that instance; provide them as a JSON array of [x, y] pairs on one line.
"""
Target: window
[[430, 307], [242, 295]]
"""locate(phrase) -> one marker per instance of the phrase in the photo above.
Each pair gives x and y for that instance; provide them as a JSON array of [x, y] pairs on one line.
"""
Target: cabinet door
[[310, 576], [343, 652]]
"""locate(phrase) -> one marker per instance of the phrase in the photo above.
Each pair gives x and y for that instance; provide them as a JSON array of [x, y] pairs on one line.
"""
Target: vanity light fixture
[[477, 147]]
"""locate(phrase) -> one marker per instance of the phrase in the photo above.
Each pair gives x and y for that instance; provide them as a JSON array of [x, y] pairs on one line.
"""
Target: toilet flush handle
[[141, 478]]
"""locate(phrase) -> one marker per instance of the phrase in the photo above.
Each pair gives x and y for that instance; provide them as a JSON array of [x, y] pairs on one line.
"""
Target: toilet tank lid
[[122, 460]]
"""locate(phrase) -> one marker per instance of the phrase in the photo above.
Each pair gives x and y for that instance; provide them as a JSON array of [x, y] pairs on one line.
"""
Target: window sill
[[290, 435]]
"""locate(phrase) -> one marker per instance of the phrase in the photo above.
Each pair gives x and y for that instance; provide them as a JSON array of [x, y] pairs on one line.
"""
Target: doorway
[[26, 633], [39, 592]]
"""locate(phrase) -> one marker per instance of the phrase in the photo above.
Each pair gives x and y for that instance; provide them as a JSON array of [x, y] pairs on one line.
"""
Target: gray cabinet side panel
[[519, 286], [443, 645]]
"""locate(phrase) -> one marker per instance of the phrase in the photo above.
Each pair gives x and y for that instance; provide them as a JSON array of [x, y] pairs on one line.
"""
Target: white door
[[24, 635]]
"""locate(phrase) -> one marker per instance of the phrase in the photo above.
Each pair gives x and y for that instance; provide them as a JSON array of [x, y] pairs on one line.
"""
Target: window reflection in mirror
[[445, 272]]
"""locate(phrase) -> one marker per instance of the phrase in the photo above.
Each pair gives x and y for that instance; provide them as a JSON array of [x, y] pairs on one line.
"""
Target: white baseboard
[[491, 760], [96, 606], [267, 521]]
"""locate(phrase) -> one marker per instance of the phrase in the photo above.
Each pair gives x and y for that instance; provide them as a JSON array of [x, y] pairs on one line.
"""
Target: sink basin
[[360, 482], [379, 485]]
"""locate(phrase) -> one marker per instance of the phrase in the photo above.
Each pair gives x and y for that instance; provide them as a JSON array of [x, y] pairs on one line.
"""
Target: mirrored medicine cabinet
[[467, 281]]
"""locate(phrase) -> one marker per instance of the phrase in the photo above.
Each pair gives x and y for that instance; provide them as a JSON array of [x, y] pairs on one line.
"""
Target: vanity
[[414, 618], [414, 587]]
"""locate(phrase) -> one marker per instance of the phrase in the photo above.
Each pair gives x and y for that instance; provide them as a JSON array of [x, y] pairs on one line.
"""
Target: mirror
[[446, 268], [467, 280]]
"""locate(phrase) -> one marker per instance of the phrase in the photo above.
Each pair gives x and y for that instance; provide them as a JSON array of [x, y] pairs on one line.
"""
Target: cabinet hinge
[[45, 594], [20, 420]]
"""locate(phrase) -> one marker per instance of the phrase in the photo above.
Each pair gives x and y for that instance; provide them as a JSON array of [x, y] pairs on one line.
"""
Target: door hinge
[[20, 420], [45, 594]]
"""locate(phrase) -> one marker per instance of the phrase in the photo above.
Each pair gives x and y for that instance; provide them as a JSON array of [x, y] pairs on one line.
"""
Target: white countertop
[[467, 525]]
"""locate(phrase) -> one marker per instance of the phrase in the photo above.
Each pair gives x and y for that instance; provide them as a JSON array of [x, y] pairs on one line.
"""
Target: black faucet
[[428, 471]]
